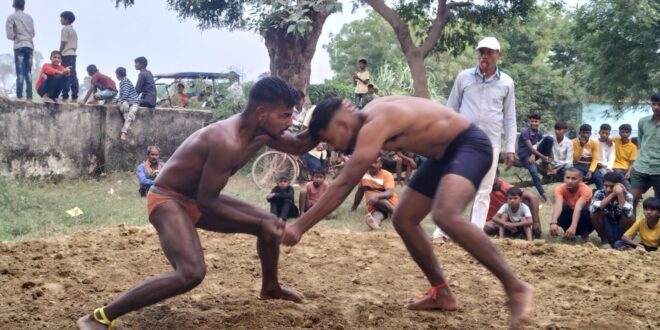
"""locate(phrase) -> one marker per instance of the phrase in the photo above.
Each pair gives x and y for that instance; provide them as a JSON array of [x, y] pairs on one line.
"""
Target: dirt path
[[350, 280]]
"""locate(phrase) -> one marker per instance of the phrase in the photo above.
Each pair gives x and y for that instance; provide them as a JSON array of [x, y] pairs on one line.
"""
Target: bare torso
[[414, 124]]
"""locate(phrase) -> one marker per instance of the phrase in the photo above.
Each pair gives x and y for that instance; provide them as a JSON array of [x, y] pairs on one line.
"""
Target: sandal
[[100, 317]]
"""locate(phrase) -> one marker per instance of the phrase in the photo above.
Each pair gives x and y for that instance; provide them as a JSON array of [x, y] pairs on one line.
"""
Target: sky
[[111, 37]]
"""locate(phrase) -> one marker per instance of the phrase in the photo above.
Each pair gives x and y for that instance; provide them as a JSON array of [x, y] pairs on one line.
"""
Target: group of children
[[282, 197]]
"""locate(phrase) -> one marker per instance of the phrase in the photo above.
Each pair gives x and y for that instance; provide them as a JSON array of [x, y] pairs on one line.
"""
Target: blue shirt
[[143, 176], [526, 134]]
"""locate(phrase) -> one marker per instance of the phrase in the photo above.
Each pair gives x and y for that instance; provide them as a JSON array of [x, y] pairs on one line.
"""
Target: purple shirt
[[103, 82], [528, 135]]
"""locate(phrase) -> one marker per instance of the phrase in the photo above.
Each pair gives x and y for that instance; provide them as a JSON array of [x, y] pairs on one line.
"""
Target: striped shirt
[[127, 92]]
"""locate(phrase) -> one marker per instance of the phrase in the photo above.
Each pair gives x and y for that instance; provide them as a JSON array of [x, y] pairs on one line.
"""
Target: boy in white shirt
[[514, 217]]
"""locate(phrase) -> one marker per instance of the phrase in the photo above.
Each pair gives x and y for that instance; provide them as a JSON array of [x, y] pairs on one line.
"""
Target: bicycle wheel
[[268, 165]]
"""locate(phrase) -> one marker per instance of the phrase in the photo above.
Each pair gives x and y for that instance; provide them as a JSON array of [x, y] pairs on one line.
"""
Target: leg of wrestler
[[268, 245], [453, 195], [180, 243], [409, 213]]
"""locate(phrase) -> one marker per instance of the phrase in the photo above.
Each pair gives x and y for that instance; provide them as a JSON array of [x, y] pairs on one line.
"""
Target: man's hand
[[570, 232], [588, 176], [271, 229], [536, 229], [372, 200], [554, 230], [531, 158], [627, 175], [291, 235], [508, 161], [509, 226], [618, 189]]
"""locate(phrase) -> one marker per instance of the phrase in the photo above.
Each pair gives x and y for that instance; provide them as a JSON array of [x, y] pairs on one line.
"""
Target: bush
[[316, 92]]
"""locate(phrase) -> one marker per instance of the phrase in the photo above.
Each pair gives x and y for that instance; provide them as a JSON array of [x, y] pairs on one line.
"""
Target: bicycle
[[269, 164]]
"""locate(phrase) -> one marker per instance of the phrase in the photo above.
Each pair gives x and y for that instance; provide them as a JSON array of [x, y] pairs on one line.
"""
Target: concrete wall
[[69, 141]]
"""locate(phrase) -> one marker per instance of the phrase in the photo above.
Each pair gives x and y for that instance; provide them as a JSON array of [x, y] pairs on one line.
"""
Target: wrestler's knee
[[191, 276]]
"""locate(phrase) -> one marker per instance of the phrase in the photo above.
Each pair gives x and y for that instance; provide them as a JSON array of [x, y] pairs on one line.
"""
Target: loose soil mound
[[350, 280]]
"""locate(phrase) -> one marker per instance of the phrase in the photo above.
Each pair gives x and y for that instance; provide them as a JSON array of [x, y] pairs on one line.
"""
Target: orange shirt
[[497, 199], [378, 183], [313, 193], [571, 199]]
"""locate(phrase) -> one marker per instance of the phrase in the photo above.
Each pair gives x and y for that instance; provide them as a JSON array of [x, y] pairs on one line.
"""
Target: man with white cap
[[485, 95]]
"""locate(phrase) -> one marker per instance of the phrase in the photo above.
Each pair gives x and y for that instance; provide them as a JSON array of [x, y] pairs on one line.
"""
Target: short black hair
[[652, 203], [68, 16], [121, 71], [318, 170], [55, 52], [142, 60], [605, 127], [91, 69], [534, 115], [182, 85], [329, 95], [574, 169], [323, 113], [282, 176], [585, 128], [514, 191], [655, 97], [272, 90], [19, 4], [362, 60], [613, 177], [625, 127], [561, 125], [370, 85]]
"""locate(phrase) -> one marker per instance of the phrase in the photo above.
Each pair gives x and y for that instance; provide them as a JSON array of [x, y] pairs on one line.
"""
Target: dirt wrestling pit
[[350, 281]]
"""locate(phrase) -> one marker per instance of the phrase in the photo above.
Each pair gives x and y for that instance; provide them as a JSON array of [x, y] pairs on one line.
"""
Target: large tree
[[420, 25], [291, 29], [617, 43]]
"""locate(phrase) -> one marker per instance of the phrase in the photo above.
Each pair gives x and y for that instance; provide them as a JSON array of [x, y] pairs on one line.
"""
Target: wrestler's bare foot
[[283, 293], [87, 323], [371, 222], [440, 240], [520, 303], [445, 300]]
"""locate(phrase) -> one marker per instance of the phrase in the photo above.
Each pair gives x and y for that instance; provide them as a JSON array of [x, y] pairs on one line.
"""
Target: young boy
[[514, 215], [606, 149], [52, 78], [625, 154], [361, 81], [102, 87], [281, 199], [20, 29], [313, 191], [377, 185], [585, 156], [611, 210], [529, 137], [560, 149], [145, 86], [648, 229], [68, 47], [128, 101]]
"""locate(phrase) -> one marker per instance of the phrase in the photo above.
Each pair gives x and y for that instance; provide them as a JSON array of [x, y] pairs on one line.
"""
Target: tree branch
[[453, 5], [400, 27], [441, 18]]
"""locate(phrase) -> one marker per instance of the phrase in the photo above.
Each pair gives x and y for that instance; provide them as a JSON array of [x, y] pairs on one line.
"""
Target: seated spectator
[[571, 207], [196, 101], [585, 157], [377, 186], [312, 191], [529, 137], [498, 198], [560, 150], [606, 150], [102, 88], [625, 154], [371, 95], [514, 216], [52, 78], [145, 86], [647, 227], [180, 99], [128, 101], [611, 210], [401, 163], [281, 199], [316, 158], [149, 170]]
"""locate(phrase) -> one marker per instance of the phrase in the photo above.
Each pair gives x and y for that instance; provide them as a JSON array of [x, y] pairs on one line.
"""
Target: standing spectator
[[625, 154], [20, 29], [647, 227], [646, 170], [585, 156], [611, 210], [498, 198], [68, 48], [377, 186], [486, 96], [529, 137], [149, 170], [571, 208], [52, 78], [128, 101], [606, 150], [361, 80], [560, 149], [102, 88], [145, 85], [281, 199], [514, 216], [313, 191]]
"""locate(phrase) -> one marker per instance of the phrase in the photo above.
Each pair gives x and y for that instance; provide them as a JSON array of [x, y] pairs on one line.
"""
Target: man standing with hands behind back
[[485, 95]]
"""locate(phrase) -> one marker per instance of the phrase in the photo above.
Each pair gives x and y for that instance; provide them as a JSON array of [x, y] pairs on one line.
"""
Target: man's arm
[[92, 89], [556, 211], [604, 202], [595, 156], [63, 38], [510, 128], [533, 150], [609, 159], [359, 193], [381, 195], [570, 232], [456, 95], [9, 26], [139, 85], [141, 173], [296, 144]]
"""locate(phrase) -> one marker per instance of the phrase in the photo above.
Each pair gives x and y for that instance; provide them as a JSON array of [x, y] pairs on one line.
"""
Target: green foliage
[[317, 91], [618, 49]]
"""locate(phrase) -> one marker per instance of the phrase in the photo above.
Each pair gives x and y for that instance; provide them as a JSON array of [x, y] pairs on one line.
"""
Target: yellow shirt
[[360, 87], [587, 154], [308, 116], [625, 153], [648, 236]]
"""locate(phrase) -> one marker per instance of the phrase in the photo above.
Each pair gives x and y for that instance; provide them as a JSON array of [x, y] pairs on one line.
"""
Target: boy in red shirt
[[52, 78], [312, 191], [102, 87]]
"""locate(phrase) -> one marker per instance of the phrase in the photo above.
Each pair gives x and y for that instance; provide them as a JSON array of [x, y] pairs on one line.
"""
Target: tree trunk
[[291, 54], [418, 71]]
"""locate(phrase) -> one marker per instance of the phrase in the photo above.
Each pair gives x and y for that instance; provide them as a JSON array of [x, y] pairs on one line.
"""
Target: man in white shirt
[[607, 152], [20, 29], [560, 149], [486, 96]]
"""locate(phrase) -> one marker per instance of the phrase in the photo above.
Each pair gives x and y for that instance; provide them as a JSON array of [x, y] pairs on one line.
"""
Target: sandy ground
[[350, 281]]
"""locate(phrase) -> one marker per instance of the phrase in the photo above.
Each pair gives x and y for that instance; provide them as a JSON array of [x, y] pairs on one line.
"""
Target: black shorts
[[469, 155]]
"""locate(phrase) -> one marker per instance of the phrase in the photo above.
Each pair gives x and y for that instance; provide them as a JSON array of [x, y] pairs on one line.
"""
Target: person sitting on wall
[[148, 170], [52, 78]]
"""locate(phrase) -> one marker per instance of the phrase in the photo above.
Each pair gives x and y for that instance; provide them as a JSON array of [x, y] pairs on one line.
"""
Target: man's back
[[20, 29]]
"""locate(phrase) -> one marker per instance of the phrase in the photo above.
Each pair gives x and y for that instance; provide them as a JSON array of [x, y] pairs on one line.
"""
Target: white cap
[[490, 43]]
